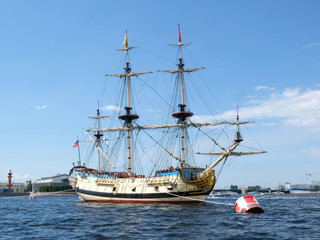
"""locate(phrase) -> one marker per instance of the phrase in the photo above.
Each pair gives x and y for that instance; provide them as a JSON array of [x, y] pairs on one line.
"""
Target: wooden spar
[[183, 157], [181, 120], [99, 149], [129, 152], [128, 77], [166, 126], [128, 121], [232, 153], [128, 69], [181, 70], [225, 154], [79, 161], [122, 75]]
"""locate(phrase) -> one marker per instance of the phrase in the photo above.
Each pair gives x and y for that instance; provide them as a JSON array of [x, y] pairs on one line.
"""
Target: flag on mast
[[106, 140], [125, 42], [76, 144], [179, 35]]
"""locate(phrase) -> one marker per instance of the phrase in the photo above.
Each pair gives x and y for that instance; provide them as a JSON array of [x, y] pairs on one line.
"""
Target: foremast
[[98, 135], [128, 117], [182, 114], [229, 152]]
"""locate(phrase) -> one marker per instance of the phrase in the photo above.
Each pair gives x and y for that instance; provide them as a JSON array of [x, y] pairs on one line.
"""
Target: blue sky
[[261, 55]]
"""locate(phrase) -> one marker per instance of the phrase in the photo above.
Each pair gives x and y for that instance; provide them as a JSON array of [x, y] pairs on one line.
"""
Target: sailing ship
[[183, 183]]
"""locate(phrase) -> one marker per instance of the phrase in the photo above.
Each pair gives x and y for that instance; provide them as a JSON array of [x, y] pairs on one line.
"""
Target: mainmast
[[128, 117], [182, 115], [98, 135]]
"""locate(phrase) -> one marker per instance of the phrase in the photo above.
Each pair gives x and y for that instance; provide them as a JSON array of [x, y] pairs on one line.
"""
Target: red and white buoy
[[247, 204]]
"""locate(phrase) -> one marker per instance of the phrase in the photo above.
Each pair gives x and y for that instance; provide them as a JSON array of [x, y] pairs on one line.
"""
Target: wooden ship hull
[[177, 186]]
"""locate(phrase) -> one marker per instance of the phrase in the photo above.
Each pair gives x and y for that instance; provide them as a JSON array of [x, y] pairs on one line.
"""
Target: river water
[[290, 216]]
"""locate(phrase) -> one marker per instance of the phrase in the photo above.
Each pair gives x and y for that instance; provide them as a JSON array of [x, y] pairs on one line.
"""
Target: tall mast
[[98, 135], [79, 159], [128, 117], [182, 115], [238, 135], [127, 68], [180, 67]]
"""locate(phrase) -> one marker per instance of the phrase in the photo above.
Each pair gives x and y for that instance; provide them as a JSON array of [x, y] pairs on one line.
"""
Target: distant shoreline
[[43, 194], [303, 191], [13, 194]]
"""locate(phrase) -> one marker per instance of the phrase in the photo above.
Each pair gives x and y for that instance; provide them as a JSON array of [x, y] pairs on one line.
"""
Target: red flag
[[179, 34]]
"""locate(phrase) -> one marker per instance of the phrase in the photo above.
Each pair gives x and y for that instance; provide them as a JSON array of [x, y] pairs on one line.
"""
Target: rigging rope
[[218, 175], [215, 142], [194, 199], [253, 139], [228, 204], [170, 153], [207, 88]]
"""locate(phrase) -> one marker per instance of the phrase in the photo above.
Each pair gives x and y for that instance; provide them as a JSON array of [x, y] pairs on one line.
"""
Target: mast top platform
[[128, 117], [179, 44], [125, 49], [182, 114]]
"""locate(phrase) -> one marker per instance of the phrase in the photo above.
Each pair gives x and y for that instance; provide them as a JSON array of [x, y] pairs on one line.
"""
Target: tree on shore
[[234, 187], [315, 188], [28, 188], [54, 188], [254, 188]]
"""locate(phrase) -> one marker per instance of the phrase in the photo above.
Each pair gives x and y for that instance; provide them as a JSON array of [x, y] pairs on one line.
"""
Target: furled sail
[[181, 70], [166, 126], [121, 75]]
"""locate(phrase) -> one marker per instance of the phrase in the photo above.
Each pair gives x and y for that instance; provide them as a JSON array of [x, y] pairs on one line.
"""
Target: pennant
[[125, 42], [179, 34], [106, 141], [76, 144]]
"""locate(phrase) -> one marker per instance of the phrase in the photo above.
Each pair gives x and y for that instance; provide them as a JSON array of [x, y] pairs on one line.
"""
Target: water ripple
[[286, 217]]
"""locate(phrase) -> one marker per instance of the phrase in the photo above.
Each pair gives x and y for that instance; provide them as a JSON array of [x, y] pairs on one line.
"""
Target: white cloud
[[264, 88], [21, 178], [111, 108], [269, 124], [312, 45], [39, 108], [314, 151], [293, 106]]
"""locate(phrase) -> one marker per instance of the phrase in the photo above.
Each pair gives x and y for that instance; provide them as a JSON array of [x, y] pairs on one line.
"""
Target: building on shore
[[314, 187], [15, 187], [60, 179], [11, 187]]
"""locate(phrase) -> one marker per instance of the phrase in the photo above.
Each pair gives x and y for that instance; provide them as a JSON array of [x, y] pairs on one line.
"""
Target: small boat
[[220, 194]]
